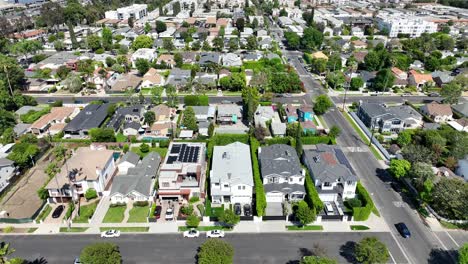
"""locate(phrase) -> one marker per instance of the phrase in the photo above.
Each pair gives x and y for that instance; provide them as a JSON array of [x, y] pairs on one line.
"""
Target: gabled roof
[[232, 164], [436, 109], [90, 117], [279, 159], [130, 157], [420, 77]]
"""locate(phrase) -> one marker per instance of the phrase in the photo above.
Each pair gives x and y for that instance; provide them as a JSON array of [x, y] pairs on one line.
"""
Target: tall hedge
[[313, 140], [259, 191], [363, 213], [278, 140], [312, 197]]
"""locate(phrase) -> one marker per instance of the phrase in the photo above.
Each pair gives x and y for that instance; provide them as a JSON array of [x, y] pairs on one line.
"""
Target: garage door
[[274, 197]]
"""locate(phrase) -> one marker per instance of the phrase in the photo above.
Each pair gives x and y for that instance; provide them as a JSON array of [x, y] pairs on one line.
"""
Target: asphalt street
[[174, 249]]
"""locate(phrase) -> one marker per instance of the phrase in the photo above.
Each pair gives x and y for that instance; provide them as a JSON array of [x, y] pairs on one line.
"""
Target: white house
[[283, 177], [231, 175], [144, 53], [135, 11], [89, 168], [128, 160], [441, 113], [7, 170], [231, 60]]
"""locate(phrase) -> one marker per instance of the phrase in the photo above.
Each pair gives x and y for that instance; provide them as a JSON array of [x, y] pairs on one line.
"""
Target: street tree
[[335, 131], [215, 250], [449, 198], [317, 260], [229, 218], [371, 250], [383, 80], [142, 41], [192, 221], [101, 253], [399, 168], [356, 83], [189, 120], [304, 213], [322, 104]]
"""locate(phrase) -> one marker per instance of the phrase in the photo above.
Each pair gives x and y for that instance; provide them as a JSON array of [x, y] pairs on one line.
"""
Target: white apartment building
[[135, 11], [412, 25]]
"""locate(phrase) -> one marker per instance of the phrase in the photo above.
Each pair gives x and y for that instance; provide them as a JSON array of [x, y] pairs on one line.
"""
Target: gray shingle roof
[[283, 187], [279, 159], [93, 115], [130, 157], [232, 164]]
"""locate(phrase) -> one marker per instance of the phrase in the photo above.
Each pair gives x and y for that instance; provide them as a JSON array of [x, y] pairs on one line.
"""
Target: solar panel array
[[342, 159], [183, 153]]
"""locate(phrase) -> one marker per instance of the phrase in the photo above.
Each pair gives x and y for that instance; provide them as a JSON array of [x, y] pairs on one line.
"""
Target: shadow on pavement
[[440, 256], [38, 261], [347, 251]]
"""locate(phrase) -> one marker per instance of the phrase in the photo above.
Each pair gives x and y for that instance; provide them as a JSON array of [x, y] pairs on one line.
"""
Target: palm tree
[[5, 250]]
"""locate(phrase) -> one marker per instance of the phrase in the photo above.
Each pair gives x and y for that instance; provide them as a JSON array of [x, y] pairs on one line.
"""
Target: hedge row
[[196, 100], [363, 213], [313, 140], [278, 140], [259, 191], [312, 197]]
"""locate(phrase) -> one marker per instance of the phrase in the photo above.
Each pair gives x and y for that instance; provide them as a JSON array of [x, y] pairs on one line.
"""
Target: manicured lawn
[[364, 138], [359, 227], [205, 228], [217, 211], [305, 228], [115, 214], [126, 229], [73, 229], [138, 214], [86, 212], [161, 151], [121, 138], [43, 215]]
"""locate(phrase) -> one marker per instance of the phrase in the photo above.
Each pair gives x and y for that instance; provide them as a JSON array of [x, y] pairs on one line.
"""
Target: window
[[243, 187], [273, 180], [239, 187], [349, 182], [327, 184], [290, 179], [226, 186], [165, 184], [216, 184]]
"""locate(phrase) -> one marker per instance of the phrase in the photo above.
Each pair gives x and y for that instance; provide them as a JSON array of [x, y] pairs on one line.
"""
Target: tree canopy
[[322, 104], [217, 251], [370, 250], [101, 253]]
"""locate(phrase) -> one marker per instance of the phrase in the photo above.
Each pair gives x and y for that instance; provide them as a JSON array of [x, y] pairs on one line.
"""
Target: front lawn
[[359, 227], [44, 213], [161, 151], [115, 214], [305, 228], [73, 229], [121, 137], [138, 214], [126, 229], [217, 211], [206, 228], [86, 212]]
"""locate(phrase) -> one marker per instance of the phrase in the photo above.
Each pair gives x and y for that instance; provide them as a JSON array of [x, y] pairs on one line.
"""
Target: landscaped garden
[[86, 212], [115, 214], [138, 214]]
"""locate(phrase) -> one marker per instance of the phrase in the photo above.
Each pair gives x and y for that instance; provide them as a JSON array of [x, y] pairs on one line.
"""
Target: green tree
[[101, 253], [168, 44], [229, 218], [404, 138], [142, 66], [144, 148], [6, 250], [107, 38], [370, 250], [322, 104], [463, 254], [9, 66], [8, 136], [63, 71], [283, 12], [451, 92], [449, 198], [304, 213], [399, 168], [189, 120], [192, 221], [147, 28], [252, 43], [150, 117], [336, 79], [335, 131], [317, 260], [102, 135], [311, 39], [94, 42], [156, 93], [383, 80], [160, 26], [420, 172], [356, 83], [417, 153], [178, 59], [218, 44], [233, 44], [90, 194], [372, 61], [73, 83], [250, 99], [142, 41], [206, 46], [215, 251], [292, 39], [240, 23], [318, 65], [26, 47], [73, 14], [23, 153]]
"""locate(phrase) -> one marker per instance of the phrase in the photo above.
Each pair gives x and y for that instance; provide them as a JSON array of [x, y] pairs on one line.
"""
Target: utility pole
[[346, 90], [8, 79], [372, 131]]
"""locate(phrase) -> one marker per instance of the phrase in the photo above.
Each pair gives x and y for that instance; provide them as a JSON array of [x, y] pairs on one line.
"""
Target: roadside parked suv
[[157, 212], [247, 210], [215, 233]]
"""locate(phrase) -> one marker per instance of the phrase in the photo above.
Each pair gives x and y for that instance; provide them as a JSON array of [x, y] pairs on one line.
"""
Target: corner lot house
[[231, 175], [283, 177], [441, 113], [136, 184], [333, 176], [389, 119], [89, 168], [182, 174]]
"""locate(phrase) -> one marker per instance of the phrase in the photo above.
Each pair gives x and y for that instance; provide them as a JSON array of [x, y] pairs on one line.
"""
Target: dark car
[[157, 212], [237, 209], [247, 210], [403, 229], [58, 211]]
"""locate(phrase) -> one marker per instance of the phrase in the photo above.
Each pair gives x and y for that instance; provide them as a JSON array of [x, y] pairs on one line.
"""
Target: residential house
[[419, 79], [283, 177], [207, 79], [231, 60], [333, 176], [163, 113], [441, 78], [92, 116], [389, 119], [182, 174], [319, 55], [416, 65], [152, 78], [160, 130], [88, 168], [207, 58], [57, 115], [128, 119], [302, 113], [136, 185], [178, 77], [124, 82], [265, 43], [358, 44], [440, 113], [367, 77], [461, 109], [401, 77], [204, 113], [188, 57], [166, 59], [144, 53], [128, 160], [231, 175], [229, 114], [263, 115], [7, 170]]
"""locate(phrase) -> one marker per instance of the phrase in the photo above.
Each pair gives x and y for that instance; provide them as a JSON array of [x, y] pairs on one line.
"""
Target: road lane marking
[[393, 259], [448, 234], [440, 241]]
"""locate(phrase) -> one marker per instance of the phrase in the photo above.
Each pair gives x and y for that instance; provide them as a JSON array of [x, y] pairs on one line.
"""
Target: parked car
[[192, 233], [110, 233], [287, 95], [50, 101], [329, 208], [58, 211], [403, 229], [170, 214], [215, 233], [434, 94], [77, 261], [247, 210], [237, 209], [157, 212]]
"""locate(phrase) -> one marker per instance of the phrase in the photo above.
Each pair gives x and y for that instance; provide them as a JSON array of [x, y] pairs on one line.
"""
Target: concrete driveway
[[274, 209]]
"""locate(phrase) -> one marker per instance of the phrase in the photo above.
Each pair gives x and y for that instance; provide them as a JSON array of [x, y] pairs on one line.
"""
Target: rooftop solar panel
[[171, 159], [175, 149]]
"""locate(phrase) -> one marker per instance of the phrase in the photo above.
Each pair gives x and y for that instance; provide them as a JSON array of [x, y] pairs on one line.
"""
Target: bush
[[117, 204], [140, 203], [194, 199], [100, 253], [192, 221], [43, 193], [90, 194], [196, 100], [354, 202], [314, 140], [144, 148], [187, 209], [363, 213], [164, 143], [201, 208], [259, 190], [312, 198], [215, 251], [32, 115], [278, 140]]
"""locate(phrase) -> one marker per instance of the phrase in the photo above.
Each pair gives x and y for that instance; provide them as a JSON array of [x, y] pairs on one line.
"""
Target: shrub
[[187, 209], [215, 251], [140, 203], [192, 221], [362, 213], [354, 202], [8, 229], [278, 140], [90, 194], [144, 148], [101, 253], [117, 204], [259, 190], [164, 143], [126, 148], [313, 140], [194, 199], [43, 193], [196, 100], [312, 198]]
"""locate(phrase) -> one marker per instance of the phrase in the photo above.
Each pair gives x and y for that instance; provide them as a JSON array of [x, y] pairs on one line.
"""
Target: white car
[[192, 233], [169, 214], [110, 233], [215, 233]]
